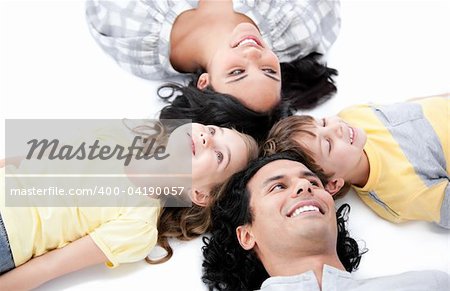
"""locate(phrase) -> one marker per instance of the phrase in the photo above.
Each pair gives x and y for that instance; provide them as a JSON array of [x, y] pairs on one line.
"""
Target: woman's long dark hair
[[306, 83], [226, 265], [211, 108]]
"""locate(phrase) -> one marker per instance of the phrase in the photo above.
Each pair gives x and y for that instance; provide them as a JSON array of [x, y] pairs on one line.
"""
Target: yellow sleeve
[[130, 237]]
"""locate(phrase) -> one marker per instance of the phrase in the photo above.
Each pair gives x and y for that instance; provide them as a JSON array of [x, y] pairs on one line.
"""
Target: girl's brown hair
[[187, 223]]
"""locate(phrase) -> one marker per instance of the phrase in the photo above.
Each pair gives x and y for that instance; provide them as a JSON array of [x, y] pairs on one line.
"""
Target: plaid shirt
[[137, 33]]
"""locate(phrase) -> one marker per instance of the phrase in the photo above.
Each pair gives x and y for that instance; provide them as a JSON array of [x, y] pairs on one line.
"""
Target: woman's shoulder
[[294, 28]]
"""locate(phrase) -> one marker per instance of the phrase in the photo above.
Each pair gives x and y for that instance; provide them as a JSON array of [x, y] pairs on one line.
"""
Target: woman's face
[[216, 152], [247, 69]]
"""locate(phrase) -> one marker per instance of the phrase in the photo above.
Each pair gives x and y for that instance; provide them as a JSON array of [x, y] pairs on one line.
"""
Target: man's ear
[[334, 185], [203, 81], [245, 237], [199, 197]]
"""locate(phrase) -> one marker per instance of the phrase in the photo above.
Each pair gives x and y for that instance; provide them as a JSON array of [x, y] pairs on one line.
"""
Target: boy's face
[[336, 147]]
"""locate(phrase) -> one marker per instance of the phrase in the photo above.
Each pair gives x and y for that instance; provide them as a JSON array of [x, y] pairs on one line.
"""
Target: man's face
[[292, 212]]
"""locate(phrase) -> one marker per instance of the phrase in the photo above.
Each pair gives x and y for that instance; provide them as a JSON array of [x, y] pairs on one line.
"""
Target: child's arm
[[76, 255]]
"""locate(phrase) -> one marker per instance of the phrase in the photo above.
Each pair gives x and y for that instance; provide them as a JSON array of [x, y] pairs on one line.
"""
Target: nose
[[206, 139], [252, 53], [303, 187]]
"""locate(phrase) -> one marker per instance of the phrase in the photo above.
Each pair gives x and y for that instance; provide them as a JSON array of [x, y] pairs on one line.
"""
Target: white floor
[[387, 51]]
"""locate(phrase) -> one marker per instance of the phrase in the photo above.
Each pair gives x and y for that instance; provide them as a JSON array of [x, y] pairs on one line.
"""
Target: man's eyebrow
[[303, 173], [308, 174], [271, 179]]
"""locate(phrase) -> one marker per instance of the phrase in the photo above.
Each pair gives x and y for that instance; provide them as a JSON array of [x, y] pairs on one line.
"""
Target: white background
[[387, 51]]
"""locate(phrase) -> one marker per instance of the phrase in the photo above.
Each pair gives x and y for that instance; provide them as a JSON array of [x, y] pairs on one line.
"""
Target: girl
[[58, 240], [246, 55]]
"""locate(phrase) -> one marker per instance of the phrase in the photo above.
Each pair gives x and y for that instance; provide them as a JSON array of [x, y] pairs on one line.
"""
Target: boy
[[396, 157]]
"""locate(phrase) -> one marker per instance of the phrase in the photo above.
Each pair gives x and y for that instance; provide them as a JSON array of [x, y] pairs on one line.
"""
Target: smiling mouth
[[351, 134], [305, 207], [192, 144], [249, 41]]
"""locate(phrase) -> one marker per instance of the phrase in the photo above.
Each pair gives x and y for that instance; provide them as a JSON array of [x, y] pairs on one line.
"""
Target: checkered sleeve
[[295, 28], [134, 33]]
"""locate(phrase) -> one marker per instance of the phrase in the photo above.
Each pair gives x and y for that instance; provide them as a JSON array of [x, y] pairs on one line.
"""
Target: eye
[[329, 145], [236, 72], [212, 130], [219, 157], [316, 183], [270, 71], [324, 122], [278, 186]]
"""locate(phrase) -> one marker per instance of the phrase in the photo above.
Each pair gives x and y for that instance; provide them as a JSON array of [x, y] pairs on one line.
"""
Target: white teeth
[[305, 208], [351, 134], [247, 40]]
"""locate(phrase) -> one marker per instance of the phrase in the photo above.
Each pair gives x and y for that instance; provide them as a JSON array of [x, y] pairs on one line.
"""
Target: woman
[[254, 59]]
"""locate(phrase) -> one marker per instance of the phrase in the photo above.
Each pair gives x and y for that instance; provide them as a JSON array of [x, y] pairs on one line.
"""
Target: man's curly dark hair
[[226, 265]]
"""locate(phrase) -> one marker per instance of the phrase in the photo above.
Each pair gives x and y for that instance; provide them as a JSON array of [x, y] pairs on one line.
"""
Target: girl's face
[[247, 69], [216, 152]]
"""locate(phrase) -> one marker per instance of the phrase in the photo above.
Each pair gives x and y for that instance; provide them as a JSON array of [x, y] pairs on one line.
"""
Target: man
[[276, 220]]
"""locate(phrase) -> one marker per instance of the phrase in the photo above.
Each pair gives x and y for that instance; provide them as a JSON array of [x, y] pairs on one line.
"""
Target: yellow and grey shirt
[[408, 152]]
